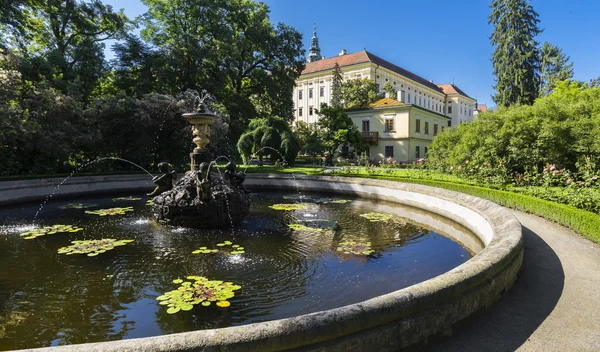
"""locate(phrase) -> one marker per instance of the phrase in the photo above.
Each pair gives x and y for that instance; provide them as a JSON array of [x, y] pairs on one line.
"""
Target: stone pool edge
[[389, 322]]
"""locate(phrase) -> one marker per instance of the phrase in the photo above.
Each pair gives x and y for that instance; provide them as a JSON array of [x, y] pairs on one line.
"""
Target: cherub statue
[[235, 178], [203, 182], [163, 182]]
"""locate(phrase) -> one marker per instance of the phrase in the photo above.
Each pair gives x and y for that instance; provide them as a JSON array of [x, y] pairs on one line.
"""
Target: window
[[409, 98], [418, 126], [426, 127], [428, 104], [449, 123], [461, 109], [403, 96], [310, 111], [417, 152], [389, 125], [300, 94], [377, 86], [322, 91], [310, 93], [389, 151], [435, 129], [419, 100], [366, 126], [386, 79], [415, 99], [299, 111], [449, 109], [426, 150], [358, 75]]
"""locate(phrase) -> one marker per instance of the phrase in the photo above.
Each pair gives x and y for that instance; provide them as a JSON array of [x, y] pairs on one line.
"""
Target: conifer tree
[[554, 67], [336, 87], [515, 58]]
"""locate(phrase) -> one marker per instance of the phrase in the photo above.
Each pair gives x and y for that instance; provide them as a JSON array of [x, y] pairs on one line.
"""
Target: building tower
[[314, 51]]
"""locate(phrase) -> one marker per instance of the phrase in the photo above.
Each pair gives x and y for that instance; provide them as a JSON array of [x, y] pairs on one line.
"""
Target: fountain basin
[[390, 321]]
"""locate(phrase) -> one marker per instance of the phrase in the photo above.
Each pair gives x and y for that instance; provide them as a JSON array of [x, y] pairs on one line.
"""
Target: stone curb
[[389, 322]]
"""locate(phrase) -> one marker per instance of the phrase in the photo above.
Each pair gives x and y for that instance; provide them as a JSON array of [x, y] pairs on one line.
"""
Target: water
[[49, 299]]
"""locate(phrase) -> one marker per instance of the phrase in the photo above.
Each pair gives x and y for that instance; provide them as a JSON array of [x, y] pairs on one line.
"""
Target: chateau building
[[446, 104]]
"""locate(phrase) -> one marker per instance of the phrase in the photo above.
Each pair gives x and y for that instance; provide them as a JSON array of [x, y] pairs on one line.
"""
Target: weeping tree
[[271, 137]]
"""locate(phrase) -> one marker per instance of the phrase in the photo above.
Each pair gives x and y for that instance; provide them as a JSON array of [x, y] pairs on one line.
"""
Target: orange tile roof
[[482, 107], [385, 102], [362, 57], [452, 89]]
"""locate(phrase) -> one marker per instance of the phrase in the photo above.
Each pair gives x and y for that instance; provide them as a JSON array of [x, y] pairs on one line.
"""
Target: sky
[[443, 41]]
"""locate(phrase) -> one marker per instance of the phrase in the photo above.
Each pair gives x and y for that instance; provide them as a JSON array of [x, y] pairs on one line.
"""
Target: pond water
[[49, 298]]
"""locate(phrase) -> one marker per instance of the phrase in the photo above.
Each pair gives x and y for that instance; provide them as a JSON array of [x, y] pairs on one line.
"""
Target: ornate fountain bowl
[[201, 123]]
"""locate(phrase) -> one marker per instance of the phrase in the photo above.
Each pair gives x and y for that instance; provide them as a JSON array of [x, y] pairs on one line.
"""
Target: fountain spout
[[201, 123]]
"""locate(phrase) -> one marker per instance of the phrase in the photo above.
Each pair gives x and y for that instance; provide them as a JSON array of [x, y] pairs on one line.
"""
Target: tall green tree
[[136, 66], [554, 67], [594, 82], [337, 130], [63, 42], [515, 58], [337, 99], [359, 92], [230, 48]]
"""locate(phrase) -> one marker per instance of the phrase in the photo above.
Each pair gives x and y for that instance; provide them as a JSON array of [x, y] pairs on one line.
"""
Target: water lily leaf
[[206, 303], [377, 217], [92, 247], [110, 211], [288, 207], [197, 251], [49, 230], [357, 248], [162, 298], [223, 304], [173, 310], [227, 242], [177, 281], [300, 227], [220, 244]]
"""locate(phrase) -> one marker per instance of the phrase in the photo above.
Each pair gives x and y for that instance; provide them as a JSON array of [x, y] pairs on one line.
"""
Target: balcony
[[370, 138]]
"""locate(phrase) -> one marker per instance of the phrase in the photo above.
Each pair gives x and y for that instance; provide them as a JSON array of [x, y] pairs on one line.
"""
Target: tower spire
[[314, 51]]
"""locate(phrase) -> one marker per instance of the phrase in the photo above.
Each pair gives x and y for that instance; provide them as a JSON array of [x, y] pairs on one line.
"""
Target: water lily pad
[[149, 202], [288, 207], [92, 247], [126, 198], [78, 206], [49, 230], [352, 247], [110, 211], [199, 290], [377, 217], [331, 201], [226, 247], [300, 227]]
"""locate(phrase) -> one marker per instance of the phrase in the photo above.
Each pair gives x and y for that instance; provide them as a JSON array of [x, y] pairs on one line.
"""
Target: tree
[[554, 67], [269, 136], [309, 138], [230, 48], [63, 42], [337, 99], [337, 129], [136, 66], [392, 92], [594, 82], [359, 92], [515, 59]]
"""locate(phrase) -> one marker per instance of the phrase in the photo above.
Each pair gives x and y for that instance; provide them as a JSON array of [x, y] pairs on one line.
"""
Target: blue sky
[[446, 41]]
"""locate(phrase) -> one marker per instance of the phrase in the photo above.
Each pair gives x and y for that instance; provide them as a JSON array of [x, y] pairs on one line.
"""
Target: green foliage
[[336, 130], [229, 48], [288, 207], [309, 138], [392, 92], [110, 211], [49, 230], [515, 58], [559, 129], [92, 247], [199, 290], [337, 80], [377, 217], [271, 132], [554, 67], [359, 92]]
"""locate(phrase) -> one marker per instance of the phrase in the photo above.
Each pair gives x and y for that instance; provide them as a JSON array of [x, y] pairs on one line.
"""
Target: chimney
[[387, 94], [343, 52]]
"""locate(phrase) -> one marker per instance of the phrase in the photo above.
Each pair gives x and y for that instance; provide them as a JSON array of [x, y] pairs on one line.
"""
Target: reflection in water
[[49, 299]]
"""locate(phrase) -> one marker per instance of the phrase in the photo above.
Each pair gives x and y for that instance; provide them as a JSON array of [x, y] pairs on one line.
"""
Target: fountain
[[204, 197]]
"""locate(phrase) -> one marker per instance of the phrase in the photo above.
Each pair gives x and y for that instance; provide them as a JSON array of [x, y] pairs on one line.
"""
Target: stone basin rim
[[391, 321]]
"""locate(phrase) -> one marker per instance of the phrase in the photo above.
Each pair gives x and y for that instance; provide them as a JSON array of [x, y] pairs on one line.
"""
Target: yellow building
[[397, 130]]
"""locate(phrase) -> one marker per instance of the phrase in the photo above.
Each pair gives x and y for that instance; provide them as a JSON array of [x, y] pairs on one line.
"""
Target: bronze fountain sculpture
[[204, 197]]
